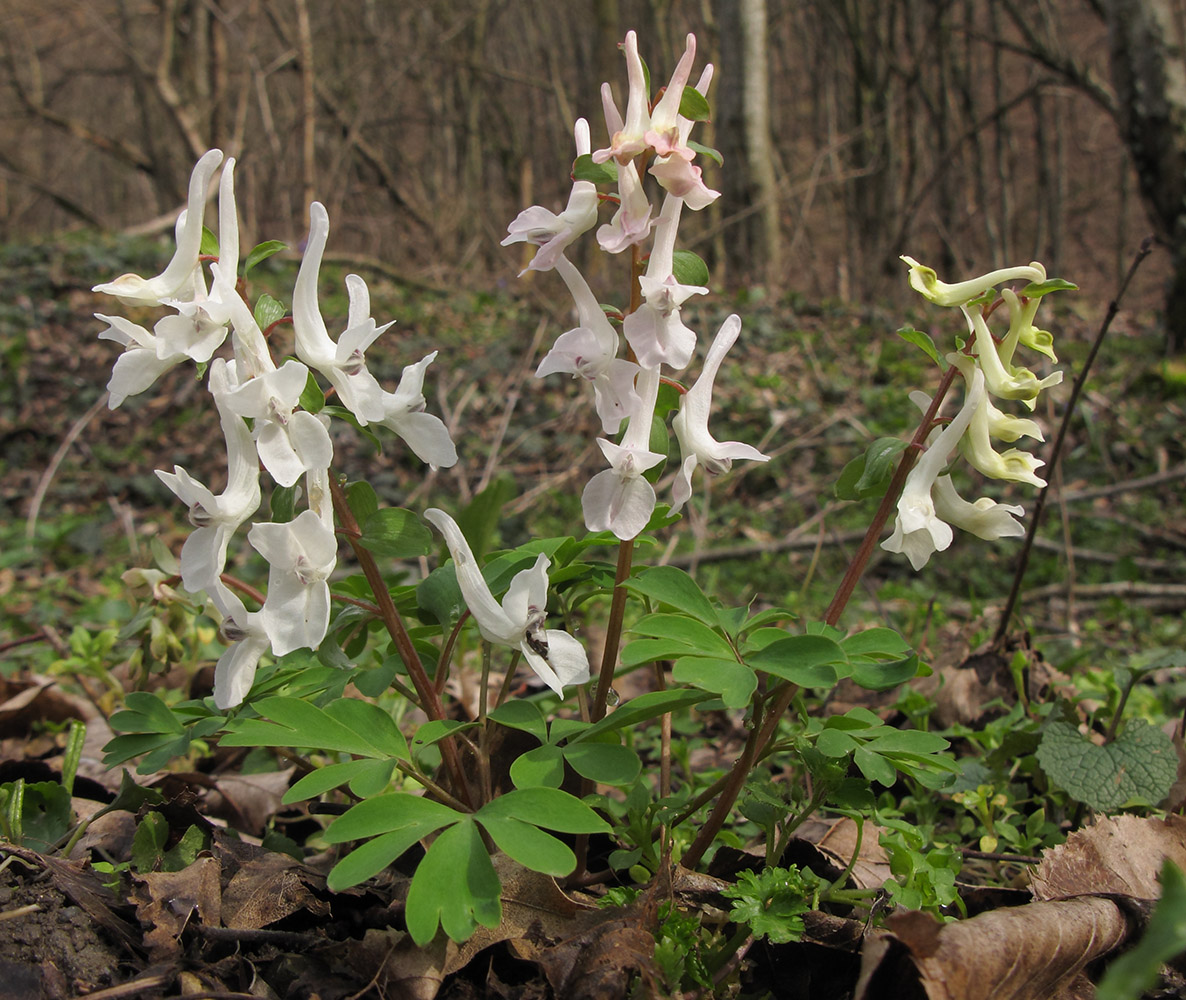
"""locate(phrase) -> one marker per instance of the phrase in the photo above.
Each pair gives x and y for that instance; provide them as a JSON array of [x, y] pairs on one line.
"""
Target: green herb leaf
[[584, 169], [1140, 765], [1038, 288], [268, 311], [261, 252], [395, 533], [457, 860], [546, 807], [693, 105], [209, 245], [689, 269], [605, 763], [670, 585], [924, 342], [712, 154]]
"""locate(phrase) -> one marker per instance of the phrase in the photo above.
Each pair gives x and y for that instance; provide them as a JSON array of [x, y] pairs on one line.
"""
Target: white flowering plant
[[443, 777]]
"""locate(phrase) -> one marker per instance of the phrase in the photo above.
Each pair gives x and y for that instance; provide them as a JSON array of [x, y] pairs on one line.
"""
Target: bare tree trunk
[[758, 152], [1149, 74]]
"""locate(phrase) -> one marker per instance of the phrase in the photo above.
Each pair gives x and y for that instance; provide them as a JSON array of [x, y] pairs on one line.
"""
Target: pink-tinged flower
[[918, 529], [627, 139], [655, 331], [696, 443], [343, 363], [133, 290], [620, 499], [673, 167], [589, 351], [557, 658], [553, 233], [301, 555], [217, 517], [664, 134], [632, 221]]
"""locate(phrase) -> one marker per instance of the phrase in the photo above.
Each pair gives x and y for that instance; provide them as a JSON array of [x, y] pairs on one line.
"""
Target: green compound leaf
[[584, 169], [1038, 288], [395, 533], [1135, 972], [1139, 765], [524, 715], [712, 154], [261, 252], [367, 771], [688, 631], [689, 268], [644, 707], [807, 660], [530, 846], [455, 886], [605, 763], [924, 343], [543, 766], [296, 723], [268, 311], [734, 682], [670, 585], [869, 474], [546, 807], [773, 901], [209, 245], [693, 105], [312, 398], [388, 814]]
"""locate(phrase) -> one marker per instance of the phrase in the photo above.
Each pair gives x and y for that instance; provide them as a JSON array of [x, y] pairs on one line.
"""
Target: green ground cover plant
[[670, 723]]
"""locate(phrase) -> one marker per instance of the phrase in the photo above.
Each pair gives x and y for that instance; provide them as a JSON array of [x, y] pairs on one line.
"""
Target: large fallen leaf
[[166, 901], [269, 888], [1120, 854], [1028, 952]]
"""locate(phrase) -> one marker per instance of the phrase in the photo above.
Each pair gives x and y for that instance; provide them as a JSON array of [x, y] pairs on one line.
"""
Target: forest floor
[[225, 894]]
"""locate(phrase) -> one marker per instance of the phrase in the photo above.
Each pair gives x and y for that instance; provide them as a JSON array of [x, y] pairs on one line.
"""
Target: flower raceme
[[263, 422], [557, 658]]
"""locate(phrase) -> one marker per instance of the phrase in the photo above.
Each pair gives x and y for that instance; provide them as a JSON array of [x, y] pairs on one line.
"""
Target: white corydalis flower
[[132, 289], [247, 642], [217, 517], [926, 282], [918, 529], [144, 360], [673, 166], [589, 351], [1004, 379], [654, 330], [290, 443], [985, 518], [403, 413], [557, 658], [696, 443], [301, 554], [619, 499], [553, 233], [203, 317], [628, 138], [343, 363]]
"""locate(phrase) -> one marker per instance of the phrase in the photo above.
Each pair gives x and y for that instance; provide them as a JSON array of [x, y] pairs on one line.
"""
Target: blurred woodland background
[[968, 133]]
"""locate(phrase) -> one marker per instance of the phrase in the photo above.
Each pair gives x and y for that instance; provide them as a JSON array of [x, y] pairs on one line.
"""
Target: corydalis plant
[[287, 437], [622, 498], [929, 504]]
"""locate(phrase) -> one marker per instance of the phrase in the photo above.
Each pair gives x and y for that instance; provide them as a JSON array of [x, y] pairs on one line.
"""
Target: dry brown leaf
[[839, 844], [1031, 952], [248, 801], [165, 902], [402, 969], [1121, 854], [269, 888]]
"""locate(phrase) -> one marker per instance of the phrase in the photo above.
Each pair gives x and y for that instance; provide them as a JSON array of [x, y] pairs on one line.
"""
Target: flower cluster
[[652, 138], [289, 441], [929, 504]]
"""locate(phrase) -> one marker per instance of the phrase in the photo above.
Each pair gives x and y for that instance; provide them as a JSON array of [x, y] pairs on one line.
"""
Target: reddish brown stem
[[613, 635], [857, 567], [430, 701]]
